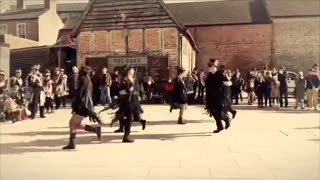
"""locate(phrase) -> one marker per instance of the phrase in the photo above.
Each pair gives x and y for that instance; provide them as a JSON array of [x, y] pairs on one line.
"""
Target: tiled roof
[[287, 8], [220, 12], [22, 14], [68, 7]]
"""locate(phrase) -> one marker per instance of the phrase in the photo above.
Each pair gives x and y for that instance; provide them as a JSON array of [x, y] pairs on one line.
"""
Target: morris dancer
[[216, 104], [82, 107]]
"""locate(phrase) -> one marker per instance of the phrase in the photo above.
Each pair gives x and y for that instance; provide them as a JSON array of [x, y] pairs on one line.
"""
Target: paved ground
[[270, 145]]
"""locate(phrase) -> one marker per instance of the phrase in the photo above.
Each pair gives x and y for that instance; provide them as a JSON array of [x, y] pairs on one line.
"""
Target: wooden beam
[[132, 15], [108, 28], [126, 7], [169, 21], [132, 2], [128, 21], [127, 12]]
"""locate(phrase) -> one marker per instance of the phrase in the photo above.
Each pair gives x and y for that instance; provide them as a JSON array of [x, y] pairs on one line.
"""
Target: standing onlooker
[[64, 87], [259, 90], [114, 88], [105, 84], [202, 84], [48, 91], [282, 77], [95, 88], [236, 87], [73, 81], [195, 84], [58, 87], [149, 88], [168, 90], [312, 89], [267, 91], [275, 91], [189, 82], [299, 90], [3, 82]]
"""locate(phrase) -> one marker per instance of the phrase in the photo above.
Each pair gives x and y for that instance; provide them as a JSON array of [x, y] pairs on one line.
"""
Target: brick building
[[236, 32], [143, 33], [32, 24], [296, 33]]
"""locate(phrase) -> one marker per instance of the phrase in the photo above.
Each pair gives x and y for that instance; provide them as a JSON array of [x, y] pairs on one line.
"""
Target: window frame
[[25, 30], [6, 28]]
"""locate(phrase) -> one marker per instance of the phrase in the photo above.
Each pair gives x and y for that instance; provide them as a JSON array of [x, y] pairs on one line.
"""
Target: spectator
[[168, 90], [115, 83], [149, 87], [189, 82], [105, 84], [312, 89], [73, 81], [202, 84], [275, 91], [282, 77], [299, 90], [196, 84], [267, 89], [95, 88], [259, 90], [236, 87], [3, 82]]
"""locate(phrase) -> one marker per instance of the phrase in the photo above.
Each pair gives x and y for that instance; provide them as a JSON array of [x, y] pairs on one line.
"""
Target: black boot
[[227, 123], [217, 131], [234, 113], [180, 121], [143, 123], [126, 137], [96, 130], [121, 127], [42, 112], [71, 144]]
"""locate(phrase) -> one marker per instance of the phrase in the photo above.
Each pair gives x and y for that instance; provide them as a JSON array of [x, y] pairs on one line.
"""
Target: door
[[159, 67]]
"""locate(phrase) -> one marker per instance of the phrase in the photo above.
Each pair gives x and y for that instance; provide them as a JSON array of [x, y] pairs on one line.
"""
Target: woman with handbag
[[179, 94]]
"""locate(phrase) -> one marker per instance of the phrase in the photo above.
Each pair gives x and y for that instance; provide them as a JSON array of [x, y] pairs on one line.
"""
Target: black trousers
[[201, 94], [260, 101], [48, 104], [283, 97], [267, 99], [35, 102], [59, 100]]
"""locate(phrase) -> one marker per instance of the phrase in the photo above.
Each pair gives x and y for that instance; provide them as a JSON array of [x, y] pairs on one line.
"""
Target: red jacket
[[168, 87]]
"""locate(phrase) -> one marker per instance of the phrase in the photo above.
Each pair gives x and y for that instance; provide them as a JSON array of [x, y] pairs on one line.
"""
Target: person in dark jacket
[[168, 91], [259, 90], [95, 85], [73, 81], [179, 94], [282, 78], [267, 89], [236, 87], [82, 107], [189, 82], [149, 87], [196, 85], [214, 96], [300, 90], [114, 89], [313, 83]]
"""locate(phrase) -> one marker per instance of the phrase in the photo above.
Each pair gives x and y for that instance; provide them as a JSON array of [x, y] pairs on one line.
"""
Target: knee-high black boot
[[96, 130], [42, 112], [121, 126], [127, 129], [71, 144]]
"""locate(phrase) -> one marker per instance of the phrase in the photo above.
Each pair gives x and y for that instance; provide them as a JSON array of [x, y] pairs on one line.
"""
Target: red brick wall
[[100, 41], [236, 46], [135, 40], [117, 41], [104, 43], [152, 39], [31, 25]]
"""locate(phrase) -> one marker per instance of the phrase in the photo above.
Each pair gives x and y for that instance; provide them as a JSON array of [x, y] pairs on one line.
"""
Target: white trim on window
[[25, 29], [5, 29]]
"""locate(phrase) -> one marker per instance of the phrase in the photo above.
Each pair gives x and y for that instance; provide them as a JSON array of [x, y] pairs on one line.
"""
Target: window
[[21, 30], [3, 29]]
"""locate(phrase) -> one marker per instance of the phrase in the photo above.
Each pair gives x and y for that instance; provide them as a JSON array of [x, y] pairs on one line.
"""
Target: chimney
[[20, 5], [51, 5]]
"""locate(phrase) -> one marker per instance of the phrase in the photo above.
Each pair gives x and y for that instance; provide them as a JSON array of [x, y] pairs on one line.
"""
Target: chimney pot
[[20, 4]]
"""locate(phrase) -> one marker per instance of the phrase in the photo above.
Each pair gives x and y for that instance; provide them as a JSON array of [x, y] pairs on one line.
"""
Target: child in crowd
[[299, 90], [275, 91]]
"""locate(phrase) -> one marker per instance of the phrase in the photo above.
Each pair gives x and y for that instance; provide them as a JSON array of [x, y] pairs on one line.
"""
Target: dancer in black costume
[[123, 101], [217, 105], [82, 107], [129, 105]]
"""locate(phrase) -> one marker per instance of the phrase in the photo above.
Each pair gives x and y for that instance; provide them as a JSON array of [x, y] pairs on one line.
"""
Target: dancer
[[82, 107], [179, 94], [215, 104], [129, 105]]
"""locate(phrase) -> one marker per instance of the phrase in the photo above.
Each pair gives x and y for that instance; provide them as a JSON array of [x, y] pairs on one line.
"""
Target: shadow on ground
[[55, 145], [304, 128]]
